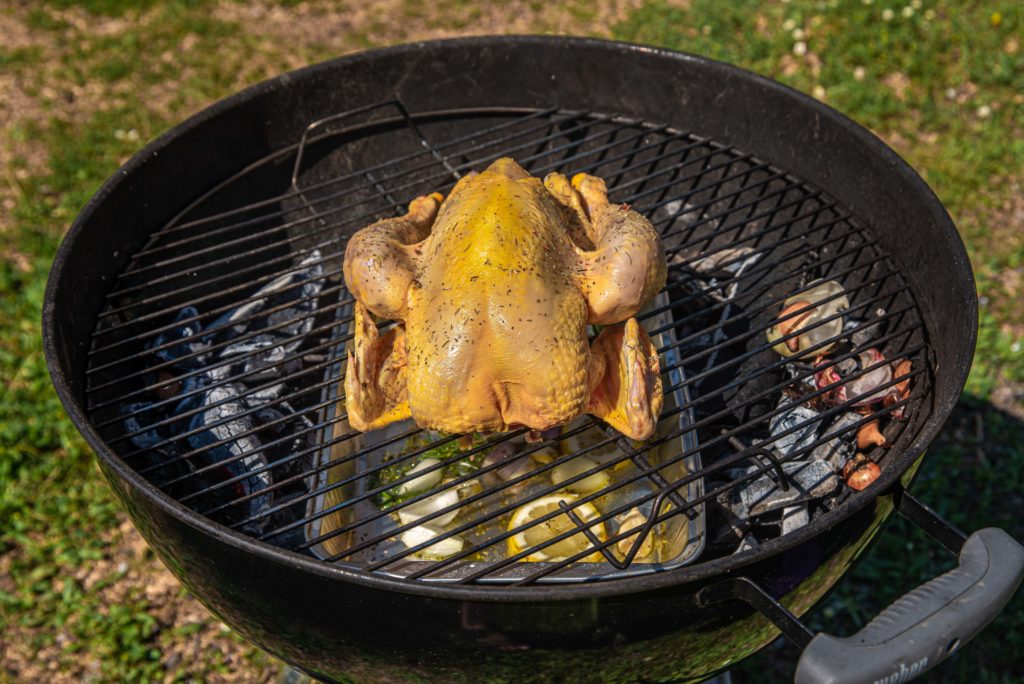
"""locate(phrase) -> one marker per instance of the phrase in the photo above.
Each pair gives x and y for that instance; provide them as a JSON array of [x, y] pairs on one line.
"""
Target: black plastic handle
[[925, 626]]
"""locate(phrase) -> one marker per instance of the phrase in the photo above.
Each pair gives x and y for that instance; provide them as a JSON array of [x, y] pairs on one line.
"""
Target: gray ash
[[219, 426]]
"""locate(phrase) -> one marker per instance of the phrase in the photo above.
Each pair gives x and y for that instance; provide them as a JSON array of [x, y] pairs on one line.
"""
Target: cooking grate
[[214, 369]]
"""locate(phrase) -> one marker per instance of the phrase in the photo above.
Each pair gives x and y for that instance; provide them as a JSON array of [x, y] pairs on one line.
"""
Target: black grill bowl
[[336, 623]]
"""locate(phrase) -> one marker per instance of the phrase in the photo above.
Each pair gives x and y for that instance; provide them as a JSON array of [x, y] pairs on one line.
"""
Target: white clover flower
[[800, 48], [887, 14]]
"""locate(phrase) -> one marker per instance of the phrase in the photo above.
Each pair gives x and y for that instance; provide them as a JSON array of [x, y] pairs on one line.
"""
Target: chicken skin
[[491, 290]]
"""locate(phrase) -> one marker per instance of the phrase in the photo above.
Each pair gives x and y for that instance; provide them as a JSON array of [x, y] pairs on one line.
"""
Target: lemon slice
[[542, 532], [574, 467]]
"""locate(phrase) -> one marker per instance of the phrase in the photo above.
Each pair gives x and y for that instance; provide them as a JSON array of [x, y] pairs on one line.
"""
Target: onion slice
[[432, 504], [423, 533], [423, 482]]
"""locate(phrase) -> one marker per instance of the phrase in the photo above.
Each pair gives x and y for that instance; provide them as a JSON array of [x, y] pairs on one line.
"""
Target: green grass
[[58, 514], [52, 500], [942, 84], [113, 8], [57, 510]]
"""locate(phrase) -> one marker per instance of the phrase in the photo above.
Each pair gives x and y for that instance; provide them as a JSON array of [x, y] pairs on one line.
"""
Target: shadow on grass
[[973, 477]]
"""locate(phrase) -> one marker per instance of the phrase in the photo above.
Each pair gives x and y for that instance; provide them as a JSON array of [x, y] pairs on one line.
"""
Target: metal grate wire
[[704, 197]]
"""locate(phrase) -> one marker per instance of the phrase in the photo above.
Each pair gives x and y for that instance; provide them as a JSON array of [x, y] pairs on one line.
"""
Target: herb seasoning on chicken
[[493, 289]]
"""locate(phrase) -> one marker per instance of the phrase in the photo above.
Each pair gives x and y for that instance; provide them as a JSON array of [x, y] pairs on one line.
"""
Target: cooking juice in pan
[[401, 499]]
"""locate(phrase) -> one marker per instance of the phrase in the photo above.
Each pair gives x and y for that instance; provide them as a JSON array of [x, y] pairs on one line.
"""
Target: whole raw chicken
[[492, 290]]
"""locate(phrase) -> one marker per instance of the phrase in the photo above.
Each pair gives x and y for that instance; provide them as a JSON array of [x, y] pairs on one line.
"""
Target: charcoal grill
[[195, 320]]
